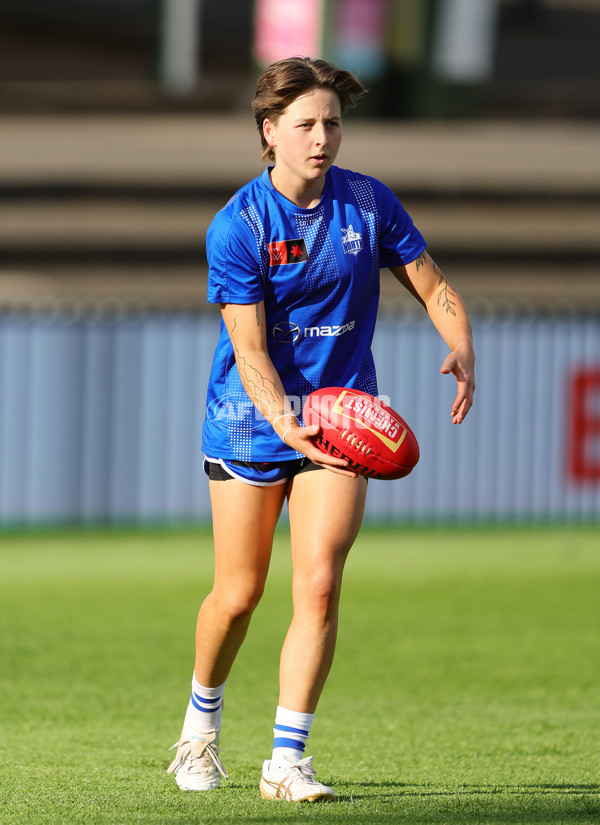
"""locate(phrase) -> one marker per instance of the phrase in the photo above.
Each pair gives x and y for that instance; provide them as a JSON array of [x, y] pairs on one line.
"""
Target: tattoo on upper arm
[[257, 315]]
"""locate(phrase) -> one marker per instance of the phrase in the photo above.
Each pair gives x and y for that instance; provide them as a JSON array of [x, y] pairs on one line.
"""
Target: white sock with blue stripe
[[205, 707], [290, 733]]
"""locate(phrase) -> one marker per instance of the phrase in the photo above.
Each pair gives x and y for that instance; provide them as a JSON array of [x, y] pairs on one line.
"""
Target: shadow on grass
[[405, 789], [377, 803], [430, 804]]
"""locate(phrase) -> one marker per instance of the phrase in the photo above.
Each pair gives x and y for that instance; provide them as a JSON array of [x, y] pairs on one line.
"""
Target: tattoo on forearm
[[445, 296], [261, 390], [420, 261]]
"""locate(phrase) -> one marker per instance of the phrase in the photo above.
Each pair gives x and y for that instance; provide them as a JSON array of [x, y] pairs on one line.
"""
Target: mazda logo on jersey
[[286, 332], [287, 252]]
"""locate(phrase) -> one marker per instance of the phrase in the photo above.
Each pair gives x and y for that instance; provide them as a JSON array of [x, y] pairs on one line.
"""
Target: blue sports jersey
[[317, 271]]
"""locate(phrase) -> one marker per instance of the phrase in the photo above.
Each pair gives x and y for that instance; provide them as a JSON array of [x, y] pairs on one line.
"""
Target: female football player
[[294, 261]]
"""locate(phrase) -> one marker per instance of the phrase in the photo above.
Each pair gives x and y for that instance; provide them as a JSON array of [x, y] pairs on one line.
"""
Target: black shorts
[[257, 473]]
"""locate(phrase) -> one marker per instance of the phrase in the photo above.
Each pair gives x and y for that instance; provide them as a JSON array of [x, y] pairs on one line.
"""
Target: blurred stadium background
[[125, 124]]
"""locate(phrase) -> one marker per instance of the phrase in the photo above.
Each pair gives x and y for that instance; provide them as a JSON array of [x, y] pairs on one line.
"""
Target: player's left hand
[[461, 363]]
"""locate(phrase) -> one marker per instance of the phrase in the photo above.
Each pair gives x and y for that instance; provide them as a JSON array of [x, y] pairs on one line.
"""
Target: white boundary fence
[[100, 420]]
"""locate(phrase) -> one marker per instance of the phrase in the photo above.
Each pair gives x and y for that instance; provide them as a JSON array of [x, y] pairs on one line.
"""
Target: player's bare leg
[[244, 519], [326, 512]]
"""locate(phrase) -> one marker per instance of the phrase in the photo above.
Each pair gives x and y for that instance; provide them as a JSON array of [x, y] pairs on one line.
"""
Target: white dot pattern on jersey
[[367, 377], [232, 199], [251, 217], [322, 271], [239, 419], [365, 197]]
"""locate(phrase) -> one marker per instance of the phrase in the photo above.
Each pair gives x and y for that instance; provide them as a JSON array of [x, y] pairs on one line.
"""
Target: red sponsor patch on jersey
[[287, 252]]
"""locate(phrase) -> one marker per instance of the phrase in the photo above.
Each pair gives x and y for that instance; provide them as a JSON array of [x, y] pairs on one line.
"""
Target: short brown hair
[[282, 82]]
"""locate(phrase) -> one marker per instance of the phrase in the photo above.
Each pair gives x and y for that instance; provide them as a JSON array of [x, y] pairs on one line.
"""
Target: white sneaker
[[197, 766], [293, 781]]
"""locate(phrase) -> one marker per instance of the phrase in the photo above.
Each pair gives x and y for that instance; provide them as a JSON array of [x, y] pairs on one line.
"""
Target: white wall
[[100, 420]]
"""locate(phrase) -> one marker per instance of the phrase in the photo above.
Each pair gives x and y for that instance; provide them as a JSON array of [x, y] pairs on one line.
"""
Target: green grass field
[[465, 687]]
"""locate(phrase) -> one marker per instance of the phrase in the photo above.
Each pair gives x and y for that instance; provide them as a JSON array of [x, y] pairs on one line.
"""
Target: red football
[[362, 429]]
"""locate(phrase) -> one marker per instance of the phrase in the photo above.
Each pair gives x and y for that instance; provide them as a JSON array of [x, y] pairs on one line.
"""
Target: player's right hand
[[302, 439]]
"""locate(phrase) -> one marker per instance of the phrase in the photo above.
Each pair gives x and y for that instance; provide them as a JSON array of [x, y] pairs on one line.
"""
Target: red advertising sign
[[584, 435]]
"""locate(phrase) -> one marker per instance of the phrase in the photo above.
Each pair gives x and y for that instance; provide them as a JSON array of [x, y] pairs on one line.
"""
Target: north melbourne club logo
[[287, 252], [351, 241]]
